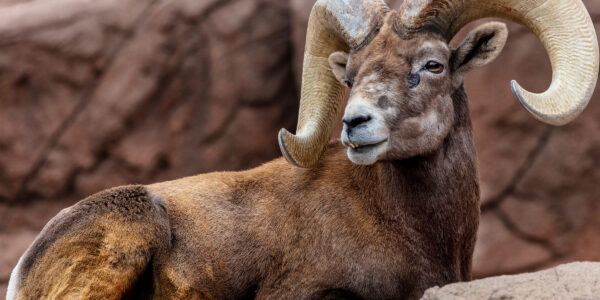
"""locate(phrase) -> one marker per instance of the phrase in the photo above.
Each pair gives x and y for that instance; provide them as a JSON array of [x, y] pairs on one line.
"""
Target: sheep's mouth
[[362, 148]]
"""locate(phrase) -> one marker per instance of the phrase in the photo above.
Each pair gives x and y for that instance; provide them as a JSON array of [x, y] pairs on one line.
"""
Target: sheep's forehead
[[389, 56], [387, 41], [435, 45], [374, 85], [374, 78]]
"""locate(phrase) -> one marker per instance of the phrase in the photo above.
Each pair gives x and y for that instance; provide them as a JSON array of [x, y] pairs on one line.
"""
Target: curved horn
[[334, 25], [563, 26]]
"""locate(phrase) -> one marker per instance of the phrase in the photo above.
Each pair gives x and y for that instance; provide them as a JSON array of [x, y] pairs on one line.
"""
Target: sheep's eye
[[348, 83], [434, 67]]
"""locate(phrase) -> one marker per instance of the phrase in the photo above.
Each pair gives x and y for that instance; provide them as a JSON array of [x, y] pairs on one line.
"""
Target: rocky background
[[95, 94]]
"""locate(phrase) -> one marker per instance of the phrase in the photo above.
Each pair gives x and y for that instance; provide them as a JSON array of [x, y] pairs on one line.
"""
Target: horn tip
[[281, 137], [555, 120], [516, 90]]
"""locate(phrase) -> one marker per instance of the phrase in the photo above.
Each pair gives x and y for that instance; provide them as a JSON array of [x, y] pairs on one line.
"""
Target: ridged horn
[[334, 25], [563, 26]]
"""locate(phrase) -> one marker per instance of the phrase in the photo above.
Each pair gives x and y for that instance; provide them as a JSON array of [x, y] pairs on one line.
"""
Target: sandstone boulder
[[571, 281]]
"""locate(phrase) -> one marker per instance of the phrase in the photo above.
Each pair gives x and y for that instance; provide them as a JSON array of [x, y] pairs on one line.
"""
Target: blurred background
[[95, 94]]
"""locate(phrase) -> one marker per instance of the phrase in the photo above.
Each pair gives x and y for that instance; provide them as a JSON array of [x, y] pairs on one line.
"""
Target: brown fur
[[338, 228], [97, 248], [336, 231]]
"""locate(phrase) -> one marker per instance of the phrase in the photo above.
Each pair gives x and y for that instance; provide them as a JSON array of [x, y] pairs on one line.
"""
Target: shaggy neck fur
[[441, 188]]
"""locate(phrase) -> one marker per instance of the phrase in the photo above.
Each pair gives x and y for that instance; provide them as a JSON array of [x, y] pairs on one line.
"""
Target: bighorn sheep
[[396, 218]]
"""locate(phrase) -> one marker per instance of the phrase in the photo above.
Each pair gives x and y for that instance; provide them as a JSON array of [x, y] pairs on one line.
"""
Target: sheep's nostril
[[357, 120]]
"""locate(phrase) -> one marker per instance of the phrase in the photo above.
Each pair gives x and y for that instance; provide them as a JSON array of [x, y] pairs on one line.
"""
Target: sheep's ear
[[338, 61], [480, 47]]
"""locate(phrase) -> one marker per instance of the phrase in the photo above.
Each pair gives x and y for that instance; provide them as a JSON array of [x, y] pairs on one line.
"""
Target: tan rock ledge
[[579, 280]]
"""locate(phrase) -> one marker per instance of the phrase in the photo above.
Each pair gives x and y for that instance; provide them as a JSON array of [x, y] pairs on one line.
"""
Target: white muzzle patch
[[365, 132]]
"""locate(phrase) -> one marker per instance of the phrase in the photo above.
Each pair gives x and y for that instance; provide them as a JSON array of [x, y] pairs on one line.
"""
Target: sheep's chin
[[367, 155]]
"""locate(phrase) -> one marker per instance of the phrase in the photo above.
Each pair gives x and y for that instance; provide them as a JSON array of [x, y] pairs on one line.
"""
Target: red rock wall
[[112, 92], [541, 201]]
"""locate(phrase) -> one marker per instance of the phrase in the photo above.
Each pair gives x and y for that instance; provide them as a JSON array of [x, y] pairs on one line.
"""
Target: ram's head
[[403, 74]]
